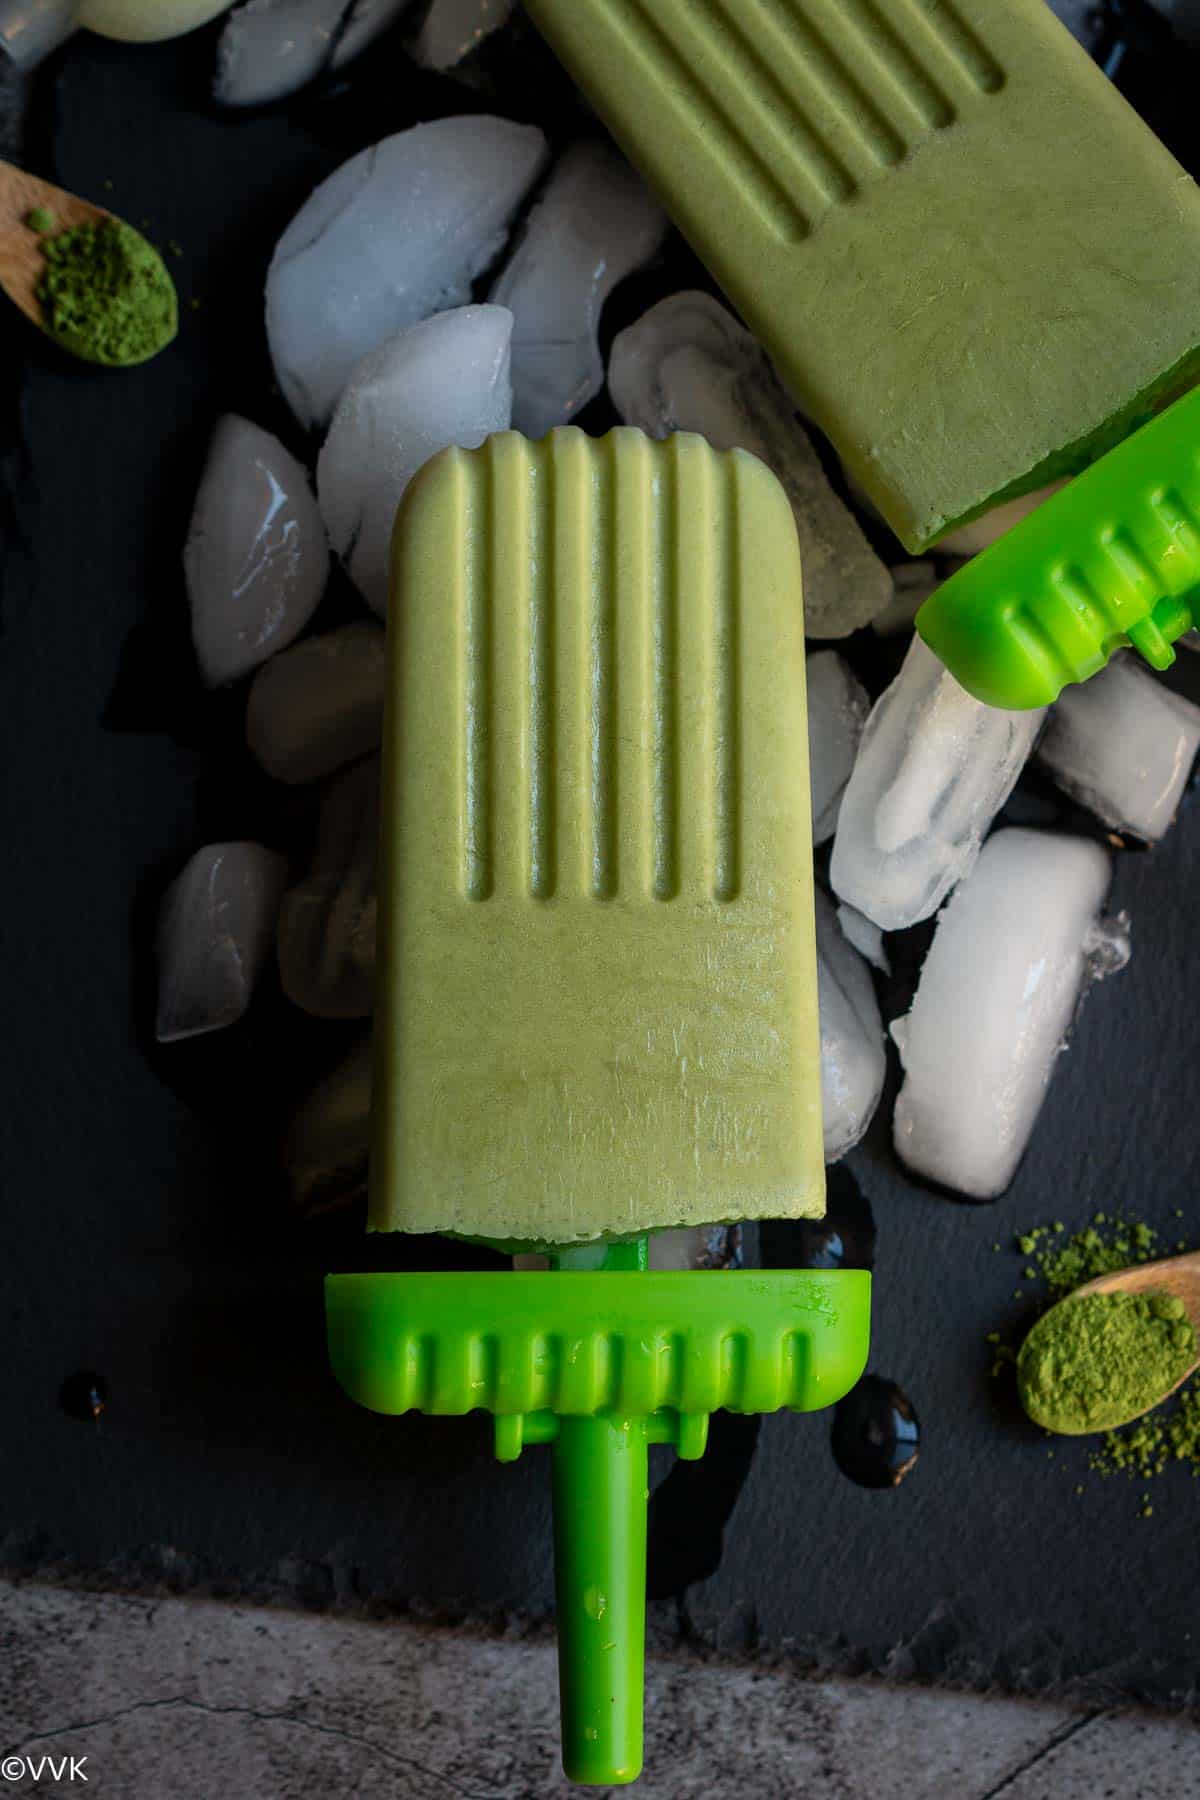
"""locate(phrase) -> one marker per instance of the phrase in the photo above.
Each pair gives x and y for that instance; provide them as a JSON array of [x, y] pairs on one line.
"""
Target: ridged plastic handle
[[600, 1483]]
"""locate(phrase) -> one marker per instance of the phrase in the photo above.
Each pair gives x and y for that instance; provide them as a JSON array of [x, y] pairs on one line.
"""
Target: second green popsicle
[[972, 263]]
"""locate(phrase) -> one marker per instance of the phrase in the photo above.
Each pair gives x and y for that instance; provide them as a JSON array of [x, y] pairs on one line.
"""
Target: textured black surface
[[146, 1240]]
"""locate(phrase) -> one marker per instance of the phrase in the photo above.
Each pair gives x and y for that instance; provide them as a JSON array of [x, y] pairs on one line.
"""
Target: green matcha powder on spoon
[[90, 281], [1113, 1349]]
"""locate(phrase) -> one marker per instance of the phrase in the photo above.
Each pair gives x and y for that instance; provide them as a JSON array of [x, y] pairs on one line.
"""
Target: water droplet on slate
[[876, 1434]]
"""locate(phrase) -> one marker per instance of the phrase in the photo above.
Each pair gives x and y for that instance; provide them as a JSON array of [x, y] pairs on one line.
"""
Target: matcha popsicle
[[972, 263], [596, 1011], [596, 998]]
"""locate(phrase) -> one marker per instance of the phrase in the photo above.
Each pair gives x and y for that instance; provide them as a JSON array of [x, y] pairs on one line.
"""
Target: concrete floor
[[191, 1699]]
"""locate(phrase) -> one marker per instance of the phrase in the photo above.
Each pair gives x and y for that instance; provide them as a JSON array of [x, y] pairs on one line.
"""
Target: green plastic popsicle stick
[[600, 1359], [1111, 559], [601, 1482]]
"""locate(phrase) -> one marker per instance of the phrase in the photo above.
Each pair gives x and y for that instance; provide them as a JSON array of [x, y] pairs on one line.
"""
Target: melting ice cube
[[865, 935], [445, 381], [453, 28], [687, 365], [933, 769], [215, 929], [837, 710], [594, 224], [364, 22], [998, 990], [256, 556], [269, 48], [1123, 745], [853, 1058], [397, 233], [969, 540], [326, 1139], [319, 705], [914, 583], [696, 1247], [327, 923]]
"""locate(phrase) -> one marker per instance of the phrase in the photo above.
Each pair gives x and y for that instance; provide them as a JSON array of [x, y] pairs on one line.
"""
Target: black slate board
[[146, 1236]]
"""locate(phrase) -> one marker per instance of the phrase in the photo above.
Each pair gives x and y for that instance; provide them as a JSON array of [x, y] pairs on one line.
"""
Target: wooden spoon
[[22, 264], [1178, 1276]]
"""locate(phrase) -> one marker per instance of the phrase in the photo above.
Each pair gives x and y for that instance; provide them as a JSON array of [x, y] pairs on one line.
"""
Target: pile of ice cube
[[449, 282], [270, 48], [438, 287]]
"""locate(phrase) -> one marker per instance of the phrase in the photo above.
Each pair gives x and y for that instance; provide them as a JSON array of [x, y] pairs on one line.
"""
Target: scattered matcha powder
[[106, 295], [40, 219], [1146, 1447], [1092, 1363], [1097, 1249], [1170, 1434]]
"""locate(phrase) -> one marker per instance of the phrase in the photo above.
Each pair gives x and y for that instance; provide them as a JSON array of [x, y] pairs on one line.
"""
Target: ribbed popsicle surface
[[598, 1003], [971, 262], [597, 594], [807, 98]]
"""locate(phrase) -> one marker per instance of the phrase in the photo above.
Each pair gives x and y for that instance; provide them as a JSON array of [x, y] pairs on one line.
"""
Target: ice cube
[[1107, 947], [269, 48], [837, 710], [215, 929], [934, 768], [998, 991], [364, 23], [319, 705], [687, 365], [396, 234], [1123, 745], [595, 224], [327, 923], [326, 1139], [453, 28], [969, 540], [914, 582], [445, 381], [696, 1247], [256, 555], [853, 1057], [865, 935]]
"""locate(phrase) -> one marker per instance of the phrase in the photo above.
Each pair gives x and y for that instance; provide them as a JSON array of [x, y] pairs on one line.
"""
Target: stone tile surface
[[194, 1698]]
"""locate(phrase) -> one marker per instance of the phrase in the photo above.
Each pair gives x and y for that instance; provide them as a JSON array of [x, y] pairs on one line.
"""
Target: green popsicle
[[972, 263], [596, 1007], [596, 1010]]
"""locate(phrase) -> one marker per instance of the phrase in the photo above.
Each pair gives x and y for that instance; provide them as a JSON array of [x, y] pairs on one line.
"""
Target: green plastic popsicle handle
[[600, 1484], [599, 1358], [1111, 559]]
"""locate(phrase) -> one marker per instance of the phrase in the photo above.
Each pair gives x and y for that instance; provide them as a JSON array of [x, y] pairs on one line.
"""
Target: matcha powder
[[106, 295], [1095, 1362]]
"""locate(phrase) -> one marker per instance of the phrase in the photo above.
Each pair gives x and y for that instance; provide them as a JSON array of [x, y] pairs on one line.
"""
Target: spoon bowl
[[1176, 1277]]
